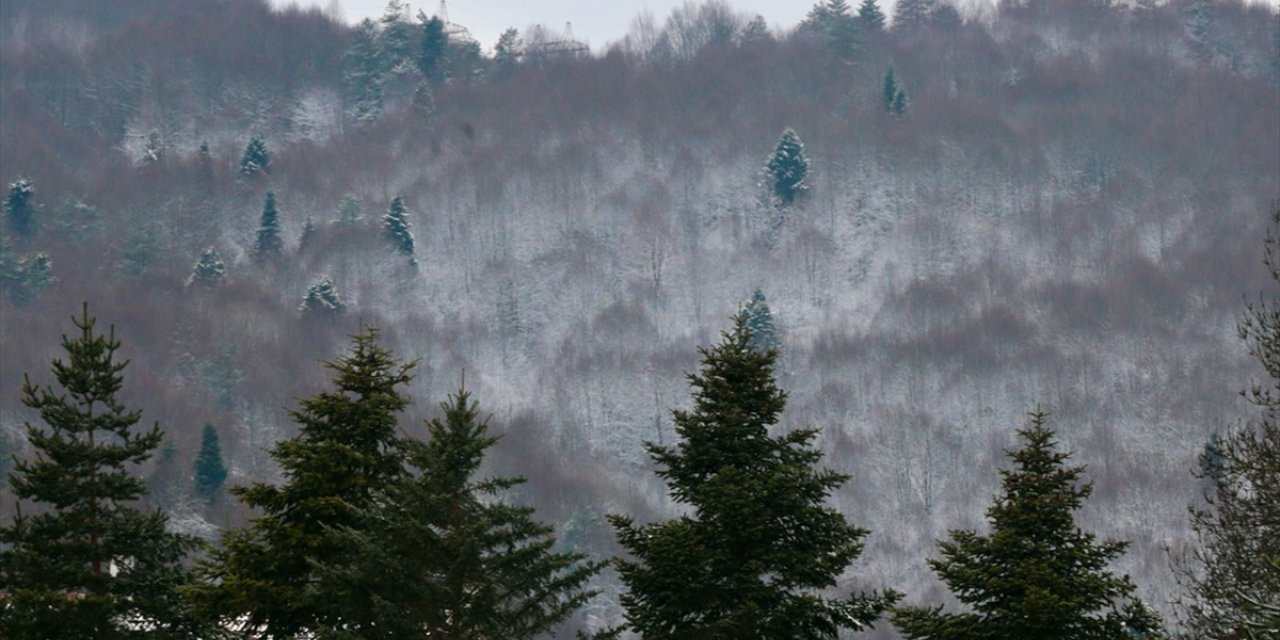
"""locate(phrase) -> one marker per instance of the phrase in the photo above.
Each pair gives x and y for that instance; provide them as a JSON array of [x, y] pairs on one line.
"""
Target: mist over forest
[[1044, 204]]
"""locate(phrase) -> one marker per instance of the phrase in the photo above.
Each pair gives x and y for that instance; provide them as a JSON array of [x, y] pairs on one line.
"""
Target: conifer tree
[[759, 320], [870, 17], [787, 169], [346, 453], [363, 72], [209, 470], [1036, 575], [208, 269], [432, 51], [889, 90], [268, 245], [1231, 580], [913, 14], [759, 550], [395, 39], [899, 105], [23, 278], [396, 226], [443, 555], [92, 565], [349, 211], [256, 158], [322, 299], [18, 207]]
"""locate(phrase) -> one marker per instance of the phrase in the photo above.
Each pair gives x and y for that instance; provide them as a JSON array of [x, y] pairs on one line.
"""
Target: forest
[[901, 273]]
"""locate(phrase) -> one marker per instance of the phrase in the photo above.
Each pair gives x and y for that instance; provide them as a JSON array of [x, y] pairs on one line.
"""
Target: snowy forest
[[916, 274]]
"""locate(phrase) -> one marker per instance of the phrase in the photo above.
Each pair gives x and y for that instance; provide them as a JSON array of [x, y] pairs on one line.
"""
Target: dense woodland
[[913, 229]]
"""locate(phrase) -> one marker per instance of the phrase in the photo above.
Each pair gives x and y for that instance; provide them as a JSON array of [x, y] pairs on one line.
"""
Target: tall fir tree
[[1036, 575], [92, 565], [788, 169], [363, 72], [396, 225], [396, 40], [19, 209], [889, 89], [322, 299], [442, 555], [760, 551], [256, 159], [208, 269], [909, 15], [1231, 579], [758, 319], [870, 17], [209, 471], [261, 581], [268, 245], [432, 50]]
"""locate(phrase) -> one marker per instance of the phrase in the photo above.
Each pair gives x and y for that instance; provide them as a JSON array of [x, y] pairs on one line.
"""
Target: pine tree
[[787, 169], [363, 72], [23, 278], [870, 17], [842, 31], [432, 50], [209, 470], [18, 207], [268, 245], [1036, 575], [759, 550], [758, 319], [92, 565], [256, 158], [347, 452], [396, 226], [913, 14], [322, 299], [1231, 580], [444, 556], [899, 105], [208, 269], [890, 89], [395, 40]]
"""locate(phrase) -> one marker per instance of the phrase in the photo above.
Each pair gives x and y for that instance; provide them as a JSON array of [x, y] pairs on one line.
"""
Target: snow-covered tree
[[256, 159], [18, 207], [363, 72], [396, 39], [396, 226], [208, 269], [757, 318], [23, 278], [787, 169], [322, 298], [152, 150], [349, 210], [268, 245]]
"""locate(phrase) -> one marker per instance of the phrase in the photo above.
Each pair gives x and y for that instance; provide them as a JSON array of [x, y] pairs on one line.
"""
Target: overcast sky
[[598, 22]]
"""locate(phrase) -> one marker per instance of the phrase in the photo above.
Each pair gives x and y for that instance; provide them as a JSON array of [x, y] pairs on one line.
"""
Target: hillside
[[1068, 214]]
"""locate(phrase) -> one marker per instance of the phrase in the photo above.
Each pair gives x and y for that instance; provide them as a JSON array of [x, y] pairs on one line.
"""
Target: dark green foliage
[[507, 52], [396, 226], [363, 72], [23, 278], [443, 555], [346, 454], [841, 31], [899, 105], [256, 158], [349, 210], [870, 17], [1231, 580], [895, 97], [913, 14], [19, 209], [8, 451], [208, 269], [121, 564], [758, 319], [431, 53], [787, 169], [268, 245], [759, 550], [322, 299], [140, 252], [396, 40], [209, 470], [1036, 575]]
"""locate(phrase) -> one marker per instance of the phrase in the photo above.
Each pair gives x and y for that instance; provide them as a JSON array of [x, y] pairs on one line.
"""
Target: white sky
[[597, 22]]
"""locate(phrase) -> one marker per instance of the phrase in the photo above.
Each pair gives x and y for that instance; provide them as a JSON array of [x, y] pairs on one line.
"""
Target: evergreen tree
[[1036, 575], [92, 565], [19, 209], [899, 105], [363, 72], [759, 550], [209, 470], [395, 40], [442, 554], [208, 269], [842, 31], [913, 14], [268, 245], [308, 235], [23, 278], [346, 453], [787, 169], [396, 226], [890, 89], [758, 319], [1231, 580], [506, 53], [433, 49], [256, 159], [757, 30], [322, 299], [870, 17], [349, 211]]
